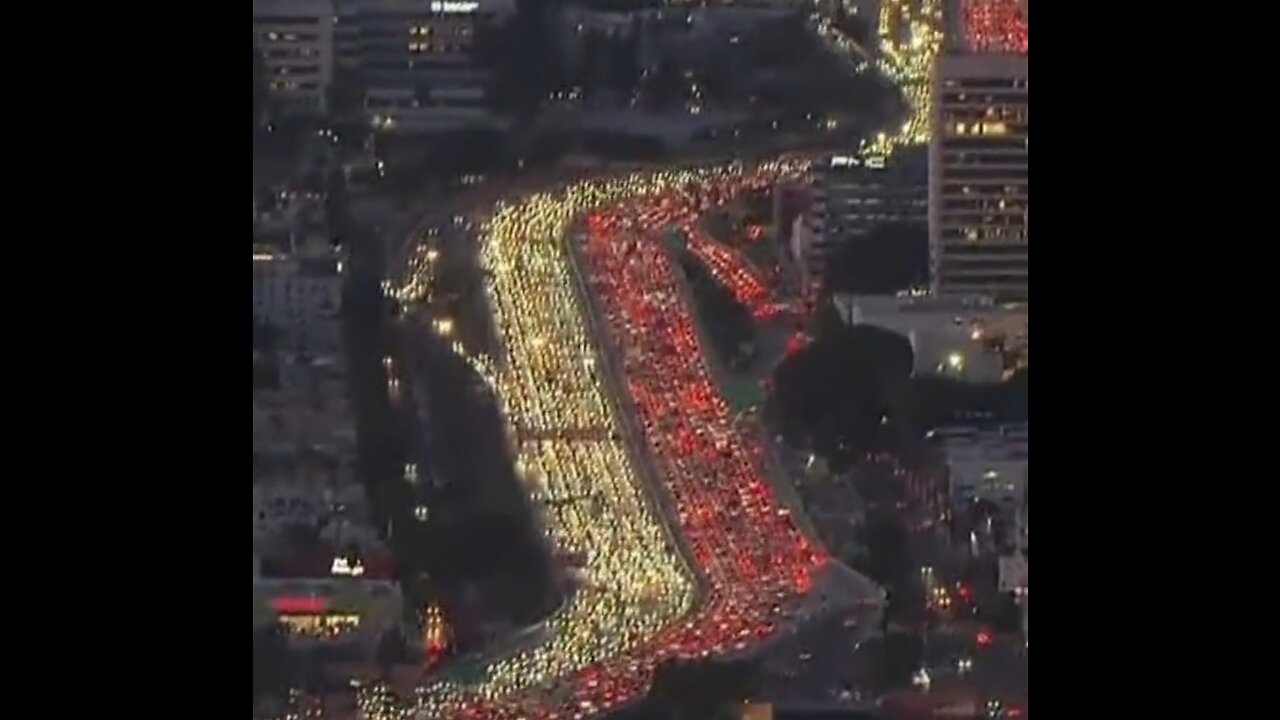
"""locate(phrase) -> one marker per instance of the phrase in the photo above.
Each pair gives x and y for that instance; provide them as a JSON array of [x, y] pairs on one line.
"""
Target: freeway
[[909, 41], [688, 554]]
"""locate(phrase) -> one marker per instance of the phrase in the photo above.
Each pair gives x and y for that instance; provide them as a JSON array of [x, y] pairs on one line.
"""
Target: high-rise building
[[408, 64], [295, 38], [851, 195], [978, 155], [415, 62]]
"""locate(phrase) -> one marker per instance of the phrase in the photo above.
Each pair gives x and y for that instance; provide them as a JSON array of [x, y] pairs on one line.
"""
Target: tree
[[890, 258], [482, 527], [391, 648], [624, 62], [855, 26], [903, 654], [705, 690], [273, 664], [727, 322], [840, 391], [592, 59], [888, 548], [664, 87]]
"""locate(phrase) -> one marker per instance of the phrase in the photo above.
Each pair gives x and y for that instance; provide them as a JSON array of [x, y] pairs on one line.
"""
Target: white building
[[301, 294], [978, 175], [295, 38], [958, 336], [987, 465], [1014, 568]]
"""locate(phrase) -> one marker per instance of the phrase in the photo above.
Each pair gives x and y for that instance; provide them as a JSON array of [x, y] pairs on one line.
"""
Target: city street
[[962, 591]]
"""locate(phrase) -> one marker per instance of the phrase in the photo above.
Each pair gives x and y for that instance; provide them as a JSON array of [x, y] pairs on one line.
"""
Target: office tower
[[413, 65], [978, 155], [295, 38]]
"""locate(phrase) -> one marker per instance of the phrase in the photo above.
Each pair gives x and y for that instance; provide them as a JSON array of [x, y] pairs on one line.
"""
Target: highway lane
[[527, 348]]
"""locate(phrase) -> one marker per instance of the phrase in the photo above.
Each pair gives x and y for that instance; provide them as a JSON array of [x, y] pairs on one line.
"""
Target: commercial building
[[407, 64], [413, 63], [978, 171], [852, 195], [336, 611], [320, 569], [966, 337], [295, 39]]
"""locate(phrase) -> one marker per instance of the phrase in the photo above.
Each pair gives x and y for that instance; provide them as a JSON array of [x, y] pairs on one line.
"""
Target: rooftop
[[925, 302]]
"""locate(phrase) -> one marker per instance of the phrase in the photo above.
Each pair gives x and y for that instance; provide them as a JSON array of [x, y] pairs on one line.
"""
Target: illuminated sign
[[342, 566], [299, 605], [454, 7], [876, 162]]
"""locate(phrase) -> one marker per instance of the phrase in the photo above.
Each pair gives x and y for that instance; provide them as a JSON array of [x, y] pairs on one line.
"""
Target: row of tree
[[726, 321], [481, 532]]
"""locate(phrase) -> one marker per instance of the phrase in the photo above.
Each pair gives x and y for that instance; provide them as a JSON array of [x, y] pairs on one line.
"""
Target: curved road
[[599, 652]]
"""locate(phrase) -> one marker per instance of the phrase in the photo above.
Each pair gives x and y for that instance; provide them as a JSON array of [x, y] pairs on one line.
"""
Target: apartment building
[[300, 294]]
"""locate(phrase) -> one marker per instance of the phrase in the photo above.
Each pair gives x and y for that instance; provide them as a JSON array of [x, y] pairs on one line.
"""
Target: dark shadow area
[[888, 259], [726, 321], [851, 392]]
